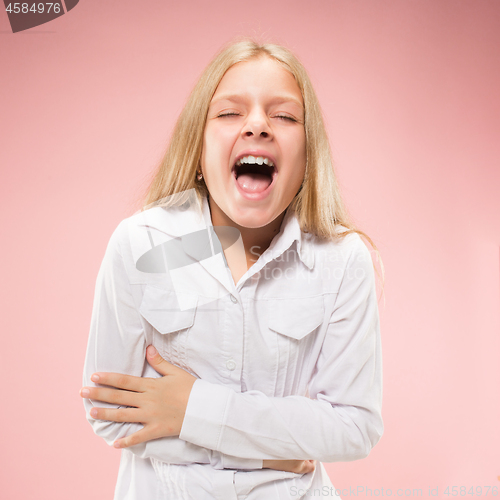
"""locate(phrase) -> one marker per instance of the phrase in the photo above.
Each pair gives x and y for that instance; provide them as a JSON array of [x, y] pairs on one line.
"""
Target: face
[[254, 146]]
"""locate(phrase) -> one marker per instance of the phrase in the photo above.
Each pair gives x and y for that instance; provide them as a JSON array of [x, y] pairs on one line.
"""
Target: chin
[[253, 222]]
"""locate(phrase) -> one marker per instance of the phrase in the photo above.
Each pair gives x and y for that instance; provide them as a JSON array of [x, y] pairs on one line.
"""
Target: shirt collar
[[192, 220]]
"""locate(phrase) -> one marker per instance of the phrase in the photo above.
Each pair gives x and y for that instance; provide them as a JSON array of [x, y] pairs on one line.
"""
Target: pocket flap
[[160, 307], [296, 318]]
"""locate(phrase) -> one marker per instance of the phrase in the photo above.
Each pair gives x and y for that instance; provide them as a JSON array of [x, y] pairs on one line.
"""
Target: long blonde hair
[[318, 204]]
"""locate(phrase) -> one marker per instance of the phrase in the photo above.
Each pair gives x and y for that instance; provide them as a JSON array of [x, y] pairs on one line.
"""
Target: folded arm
[[341, 421]]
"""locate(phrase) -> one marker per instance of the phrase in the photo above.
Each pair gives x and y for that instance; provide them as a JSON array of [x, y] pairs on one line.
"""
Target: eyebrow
[[239, 97]]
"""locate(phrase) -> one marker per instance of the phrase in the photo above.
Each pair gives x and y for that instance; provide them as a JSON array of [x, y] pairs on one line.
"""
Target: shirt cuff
[[204, 421]]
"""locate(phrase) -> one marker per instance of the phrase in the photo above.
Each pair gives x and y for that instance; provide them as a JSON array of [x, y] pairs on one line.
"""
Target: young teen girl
[[255, 295]]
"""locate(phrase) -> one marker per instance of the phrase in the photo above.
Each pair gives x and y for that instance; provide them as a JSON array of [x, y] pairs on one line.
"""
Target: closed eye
[[227, 114], [285, 117]]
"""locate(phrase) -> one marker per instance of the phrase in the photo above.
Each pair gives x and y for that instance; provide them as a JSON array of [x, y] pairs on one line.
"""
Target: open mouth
[[254, 174]]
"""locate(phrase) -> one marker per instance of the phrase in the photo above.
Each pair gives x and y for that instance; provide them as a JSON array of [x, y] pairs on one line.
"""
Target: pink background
[[410, 92]]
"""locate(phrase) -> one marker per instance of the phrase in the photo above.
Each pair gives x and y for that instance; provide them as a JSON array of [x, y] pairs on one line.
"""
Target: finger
[[158, 363], [114, 396], [299, 466], [309, 466], [118, 414], [136, 438], [121, 381]]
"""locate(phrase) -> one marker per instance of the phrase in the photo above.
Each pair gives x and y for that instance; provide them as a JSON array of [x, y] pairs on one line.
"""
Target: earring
[[199, 176]]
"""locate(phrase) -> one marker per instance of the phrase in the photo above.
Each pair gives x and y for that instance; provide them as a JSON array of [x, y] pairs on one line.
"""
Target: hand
[[158, 403], [297, 466]]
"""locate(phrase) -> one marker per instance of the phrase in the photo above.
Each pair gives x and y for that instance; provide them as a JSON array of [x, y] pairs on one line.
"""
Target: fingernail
[[95, 378], [151, 350], [117, 444], [93, 412], [84, 392]]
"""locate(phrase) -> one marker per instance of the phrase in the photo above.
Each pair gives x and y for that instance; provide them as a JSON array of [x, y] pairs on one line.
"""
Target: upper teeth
[[255, 159]]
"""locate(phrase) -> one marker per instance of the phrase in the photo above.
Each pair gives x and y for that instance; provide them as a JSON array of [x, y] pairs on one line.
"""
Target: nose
[[257, 125]]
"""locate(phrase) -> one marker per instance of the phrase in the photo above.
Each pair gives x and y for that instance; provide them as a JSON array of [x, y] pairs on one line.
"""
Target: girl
[[255, 295]]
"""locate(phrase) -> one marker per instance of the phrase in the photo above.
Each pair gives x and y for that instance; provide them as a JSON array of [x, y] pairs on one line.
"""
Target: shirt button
[[234, 299], [230, 364]]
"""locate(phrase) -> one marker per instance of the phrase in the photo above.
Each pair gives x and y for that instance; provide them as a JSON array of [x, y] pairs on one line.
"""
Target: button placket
[[233, 352]]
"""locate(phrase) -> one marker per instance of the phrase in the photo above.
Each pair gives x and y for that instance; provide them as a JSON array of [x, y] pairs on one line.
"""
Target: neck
[[255, 240]]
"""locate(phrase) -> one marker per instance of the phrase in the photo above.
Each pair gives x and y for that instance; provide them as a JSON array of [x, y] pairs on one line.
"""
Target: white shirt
[[288, 360]]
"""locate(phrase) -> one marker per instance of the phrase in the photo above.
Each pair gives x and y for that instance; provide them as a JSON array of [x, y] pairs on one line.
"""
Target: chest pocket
[[160, 308], [292, 323], [296, 318]]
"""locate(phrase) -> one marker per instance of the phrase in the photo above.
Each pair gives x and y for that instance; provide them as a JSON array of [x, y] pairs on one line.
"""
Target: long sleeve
[[339, 421], [117, 344]]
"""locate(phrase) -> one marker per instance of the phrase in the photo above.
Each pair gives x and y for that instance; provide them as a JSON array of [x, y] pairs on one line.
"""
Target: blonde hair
[[318, 204]]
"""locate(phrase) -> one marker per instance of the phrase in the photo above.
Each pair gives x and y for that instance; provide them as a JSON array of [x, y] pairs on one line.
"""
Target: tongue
[[253, 183]]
